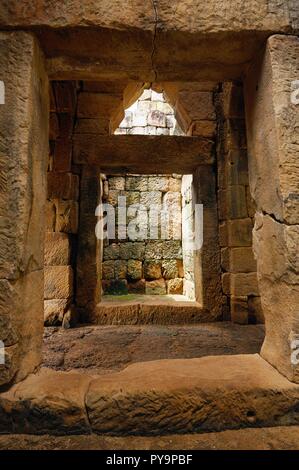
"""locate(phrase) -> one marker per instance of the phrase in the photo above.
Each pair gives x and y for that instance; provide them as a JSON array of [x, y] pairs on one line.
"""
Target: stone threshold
[[149, 309], [213, 393]]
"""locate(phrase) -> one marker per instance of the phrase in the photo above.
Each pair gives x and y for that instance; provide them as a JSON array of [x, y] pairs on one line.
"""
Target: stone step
[[149, 309], [213, 393]]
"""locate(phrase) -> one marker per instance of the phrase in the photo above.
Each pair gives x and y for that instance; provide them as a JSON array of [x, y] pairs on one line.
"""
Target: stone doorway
[[215, 153]]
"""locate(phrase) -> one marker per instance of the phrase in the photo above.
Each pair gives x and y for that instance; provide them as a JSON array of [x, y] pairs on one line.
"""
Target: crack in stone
[[281, 222], [154, 2]]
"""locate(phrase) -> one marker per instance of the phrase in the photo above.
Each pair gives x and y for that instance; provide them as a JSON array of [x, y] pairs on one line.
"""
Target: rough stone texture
[[54, 311], [133, 249], [148, 154], [153, 308], [236, 232], [240, 284], [152, 269], [273, 142], [67, 216], [234, 37], [175, 286], [57, 249], [207, 259], [134, 269], [238, 260], [103, 349], [272, 105], [91, 403], [156, 287], [63, 180], [278, 281], [58, 282], [89, 253], [236, 208], [24, 149], [56, 395], [158, 391]]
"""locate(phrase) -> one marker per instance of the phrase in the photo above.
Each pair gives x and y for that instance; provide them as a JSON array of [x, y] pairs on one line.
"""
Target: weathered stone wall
[[149, 115], [136, 264], [62, 210], [236, 210], [272, 112], [24, 118]]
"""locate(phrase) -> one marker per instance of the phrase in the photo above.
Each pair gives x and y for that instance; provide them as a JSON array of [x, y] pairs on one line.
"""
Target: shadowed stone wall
[[62, 210], [138, 264], [236, 209]]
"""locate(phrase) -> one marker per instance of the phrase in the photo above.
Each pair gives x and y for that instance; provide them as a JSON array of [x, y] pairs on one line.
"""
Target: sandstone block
[[62, 185], [152, 269], [132, 250], [149, 198], [57, 249], [120, 269], [233, 102], [175, 184], [157, 287], [270, 92], [132, 197], [113, 196], [134, 269], [196, 105], [67, 216], [156, 118], [63, 155], [239, 310], [54, 311], [204, 128], [24, 142], [50, 216], [65, 96], [175, 286], [255, 309], [92, 105], [58, 282], [66, 123], [136, 183], [240, 284], [236, 232], [238, 260], [164, 107], [235, 134], [168, 249], [233, 204], [251, 206], [92, 126], [158, 183], [71, 318], [172, 268], [111, 251], [117, 183], [172, 201], [108, 270], [236, 167]]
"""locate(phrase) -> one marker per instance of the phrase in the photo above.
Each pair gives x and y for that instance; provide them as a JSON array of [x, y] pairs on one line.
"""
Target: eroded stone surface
[[48, 401], [109, 348], [193, 394]]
